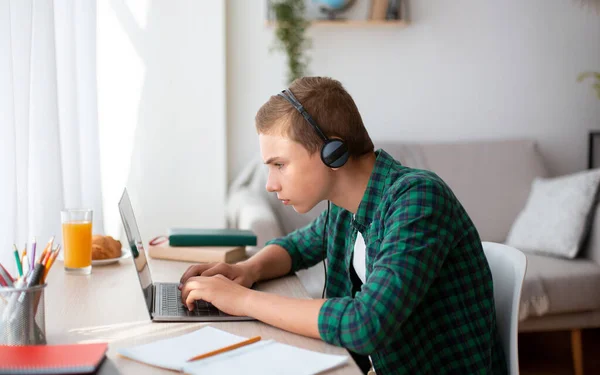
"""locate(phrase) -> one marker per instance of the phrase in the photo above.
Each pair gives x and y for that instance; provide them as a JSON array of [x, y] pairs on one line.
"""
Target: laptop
[[163, 300]]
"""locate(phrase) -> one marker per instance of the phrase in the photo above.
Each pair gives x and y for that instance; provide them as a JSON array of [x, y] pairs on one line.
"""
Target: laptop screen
[[137, 248]]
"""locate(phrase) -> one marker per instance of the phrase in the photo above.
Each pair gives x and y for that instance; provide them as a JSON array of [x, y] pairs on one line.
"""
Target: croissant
[[105, 247]]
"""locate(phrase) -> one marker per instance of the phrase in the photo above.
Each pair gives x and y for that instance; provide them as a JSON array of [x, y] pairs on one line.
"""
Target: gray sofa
[[492, 179]]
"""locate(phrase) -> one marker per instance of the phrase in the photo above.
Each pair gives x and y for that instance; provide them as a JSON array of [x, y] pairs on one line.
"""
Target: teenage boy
[[409, 290]]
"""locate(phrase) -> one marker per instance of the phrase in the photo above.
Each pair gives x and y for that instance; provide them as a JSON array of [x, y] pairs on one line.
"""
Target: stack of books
[[204, 245]]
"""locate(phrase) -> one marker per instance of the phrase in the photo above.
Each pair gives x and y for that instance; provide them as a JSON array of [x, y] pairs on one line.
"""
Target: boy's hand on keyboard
[[235, 272], [225, 294]]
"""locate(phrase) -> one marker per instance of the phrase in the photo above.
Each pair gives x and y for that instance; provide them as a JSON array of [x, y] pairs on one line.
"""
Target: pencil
[[226, 349], [18, 261], [45, 258], [25, 266], [47, 248], [50, 243], [24, 253], [50, 262], [33, 253]]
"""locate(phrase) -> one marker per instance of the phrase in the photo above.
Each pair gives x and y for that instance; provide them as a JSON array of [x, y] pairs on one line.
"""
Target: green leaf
[[290, 35], [595, 76], [583, 76], [596, 87]]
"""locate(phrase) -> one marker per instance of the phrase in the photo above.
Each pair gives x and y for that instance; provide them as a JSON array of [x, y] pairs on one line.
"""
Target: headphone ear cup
[[334, 153]]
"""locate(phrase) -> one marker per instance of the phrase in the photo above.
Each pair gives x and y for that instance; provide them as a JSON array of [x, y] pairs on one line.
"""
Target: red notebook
[[51, 359]]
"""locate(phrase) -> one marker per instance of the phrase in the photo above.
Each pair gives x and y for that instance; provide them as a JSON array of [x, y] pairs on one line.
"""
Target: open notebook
[[263, 357]]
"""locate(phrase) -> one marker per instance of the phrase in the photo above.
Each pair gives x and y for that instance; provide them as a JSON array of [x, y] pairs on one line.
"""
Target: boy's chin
[[300, 209], [303, 208]]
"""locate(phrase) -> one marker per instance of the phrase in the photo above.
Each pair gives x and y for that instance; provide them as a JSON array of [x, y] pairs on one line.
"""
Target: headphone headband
[[334, 152], [287, 95]]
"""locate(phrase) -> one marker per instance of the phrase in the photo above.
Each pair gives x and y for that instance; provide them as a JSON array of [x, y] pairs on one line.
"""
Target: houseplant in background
[[595, 76], [594, 4], [291, 35]]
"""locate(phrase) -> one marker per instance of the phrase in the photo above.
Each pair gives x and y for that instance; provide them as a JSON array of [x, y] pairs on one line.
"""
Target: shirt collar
[[378, 183]]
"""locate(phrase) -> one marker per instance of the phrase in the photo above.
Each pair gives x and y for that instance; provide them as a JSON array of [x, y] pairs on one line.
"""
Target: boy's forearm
[[299, 316], [294, 315], [271, 262]]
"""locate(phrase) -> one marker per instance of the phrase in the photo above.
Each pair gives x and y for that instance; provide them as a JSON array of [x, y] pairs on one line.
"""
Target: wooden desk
[[108, 306]]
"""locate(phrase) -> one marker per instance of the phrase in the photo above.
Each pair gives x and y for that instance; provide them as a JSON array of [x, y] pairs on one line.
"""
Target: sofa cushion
[[571, 285], [491, 179], [556, 217]]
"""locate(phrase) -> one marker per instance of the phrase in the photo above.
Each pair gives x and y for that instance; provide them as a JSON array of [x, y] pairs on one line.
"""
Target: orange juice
[[77, 244]]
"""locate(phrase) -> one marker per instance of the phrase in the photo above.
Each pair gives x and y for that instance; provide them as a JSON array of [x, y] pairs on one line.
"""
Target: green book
[[211, 237]]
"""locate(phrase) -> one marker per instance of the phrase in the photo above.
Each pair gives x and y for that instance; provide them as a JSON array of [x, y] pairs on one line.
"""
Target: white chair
[[508, 267]]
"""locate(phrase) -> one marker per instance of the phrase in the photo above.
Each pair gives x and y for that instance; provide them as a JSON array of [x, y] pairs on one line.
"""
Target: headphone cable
[[323, 243]]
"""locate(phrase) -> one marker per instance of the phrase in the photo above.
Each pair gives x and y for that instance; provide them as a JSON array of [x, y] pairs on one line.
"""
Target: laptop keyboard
[[171, 304]]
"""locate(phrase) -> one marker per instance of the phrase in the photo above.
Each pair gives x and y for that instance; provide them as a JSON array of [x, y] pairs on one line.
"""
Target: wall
[[463, 69], [161, 85]]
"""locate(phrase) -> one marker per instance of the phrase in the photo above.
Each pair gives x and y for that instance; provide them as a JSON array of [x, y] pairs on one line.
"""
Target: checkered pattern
[[427, 305]]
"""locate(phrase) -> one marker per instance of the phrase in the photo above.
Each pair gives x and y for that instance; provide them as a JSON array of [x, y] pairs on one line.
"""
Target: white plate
[[125, 253]]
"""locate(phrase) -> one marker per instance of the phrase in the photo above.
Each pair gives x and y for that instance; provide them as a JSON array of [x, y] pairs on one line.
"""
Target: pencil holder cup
[[22, 320]]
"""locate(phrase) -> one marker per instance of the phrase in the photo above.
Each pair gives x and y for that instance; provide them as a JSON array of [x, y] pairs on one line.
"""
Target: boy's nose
[[272, 186]]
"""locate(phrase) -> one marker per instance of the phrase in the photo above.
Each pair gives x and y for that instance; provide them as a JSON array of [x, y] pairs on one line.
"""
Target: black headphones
[[334, 152]]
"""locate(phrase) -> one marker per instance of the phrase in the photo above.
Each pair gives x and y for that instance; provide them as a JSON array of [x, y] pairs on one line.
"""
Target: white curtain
[[49, 149]]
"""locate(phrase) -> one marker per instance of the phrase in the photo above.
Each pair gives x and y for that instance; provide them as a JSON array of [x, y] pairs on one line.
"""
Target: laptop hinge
[[153, 311]]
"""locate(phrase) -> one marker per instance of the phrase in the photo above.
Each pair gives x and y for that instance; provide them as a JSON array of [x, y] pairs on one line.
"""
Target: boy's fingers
[[194, 295], [195, 270], [220, 269], [189, 286], [188, 273]]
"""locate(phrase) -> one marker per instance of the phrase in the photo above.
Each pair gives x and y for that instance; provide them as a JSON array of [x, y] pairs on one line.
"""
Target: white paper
[[173, 353], [262, 357], [266, 357]]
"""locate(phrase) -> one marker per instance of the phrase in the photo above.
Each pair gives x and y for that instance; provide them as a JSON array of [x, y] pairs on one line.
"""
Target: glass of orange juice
[[77, 240]]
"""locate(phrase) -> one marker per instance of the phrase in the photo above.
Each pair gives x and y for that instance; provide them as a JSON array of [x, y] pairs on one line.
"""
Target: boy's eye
[[278, 165]]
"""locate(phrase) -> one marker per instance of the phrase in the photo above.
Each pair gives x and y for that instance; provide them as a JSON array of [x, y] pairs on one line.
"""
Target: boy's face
[[299, 178]]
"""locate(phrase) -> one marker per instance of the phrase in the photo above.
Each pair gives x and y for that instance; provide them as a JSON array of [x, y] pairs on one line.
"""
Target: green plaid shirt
[[427, 305]]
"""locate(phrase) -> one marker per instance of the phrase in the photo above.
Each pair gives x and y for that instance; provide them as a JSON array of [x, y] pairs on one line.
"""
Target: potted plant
[[290, 35], [595, 76]]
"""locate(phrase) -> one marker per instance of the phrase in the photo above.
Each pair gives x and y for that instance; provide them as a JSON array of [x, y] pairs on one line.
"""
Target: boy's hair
[[328, 103]]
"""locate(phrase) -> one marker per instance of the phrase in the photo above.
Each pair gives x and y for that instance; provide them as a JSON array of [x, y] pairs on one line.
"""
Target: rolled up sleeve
[[416, 240], [305, 245]]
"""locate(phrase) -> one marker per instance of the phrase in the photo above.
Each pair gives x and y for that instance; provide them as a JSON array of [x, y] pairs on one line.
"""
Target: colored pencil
[[18, 261], [34, 245]]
